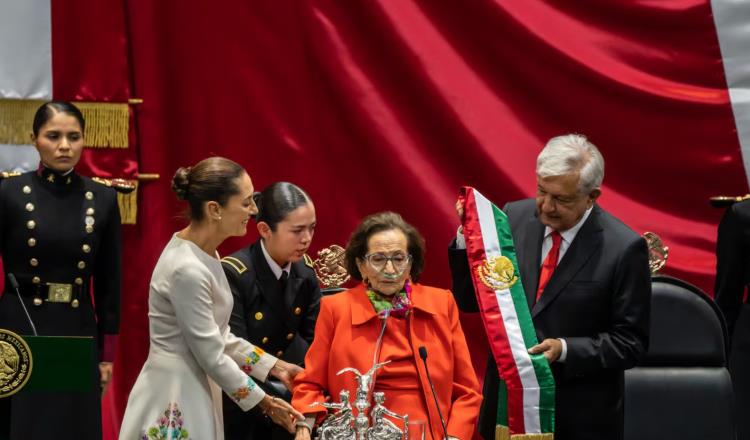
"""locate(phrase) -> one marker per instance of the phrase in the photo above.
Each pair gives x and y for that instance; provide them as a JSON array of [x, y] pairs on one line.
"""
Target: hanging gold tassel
[[503, 433], [544, 436], [16, 116], [128, 203], [107, 124]]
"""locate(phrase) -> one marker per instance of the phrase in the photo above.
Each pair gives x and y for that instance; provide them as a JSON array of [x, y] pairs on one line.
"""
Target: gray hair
[[572, 153]]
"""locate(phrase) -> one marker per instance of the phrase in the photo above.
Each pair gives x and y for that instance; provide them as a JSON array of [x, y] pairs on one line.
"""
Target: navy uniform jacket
[[598, 300], [279, 320], [64, 230]]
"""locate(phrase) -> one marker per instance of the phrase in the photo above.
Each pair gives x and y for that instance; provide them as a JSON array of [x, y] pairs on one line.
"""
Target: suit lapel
[[293, 285], [268, 284], [529, 252], [585, 244]]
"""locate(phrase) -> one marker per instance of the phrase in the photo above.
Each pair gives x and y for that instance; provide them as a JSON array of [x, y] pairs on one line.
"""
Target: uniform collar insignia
[[55, 178]]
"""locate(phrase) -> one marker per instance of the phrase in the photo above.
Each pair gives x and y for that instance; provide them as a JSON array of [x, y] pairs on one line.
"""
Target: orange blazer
[[345, 336]]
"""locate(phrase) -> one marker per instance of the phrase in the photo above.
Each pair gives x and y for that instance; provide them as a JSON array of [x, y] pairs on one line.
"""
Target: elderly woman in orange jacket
[[387, 254]]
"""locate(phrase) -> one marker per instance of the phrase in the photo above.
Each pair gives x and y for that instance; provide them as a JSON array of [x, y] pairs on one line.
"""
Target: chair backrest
[[331, 290], [682, 388]]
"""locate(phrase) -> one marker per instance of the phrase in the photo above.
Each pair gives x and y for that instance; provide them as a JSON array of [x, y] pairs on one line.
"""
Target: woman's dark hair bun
[[181, 182]]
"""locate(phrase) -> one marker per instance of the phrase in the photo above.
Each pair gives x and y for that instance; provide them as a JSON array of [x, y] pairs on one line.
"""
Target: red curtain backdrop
[[395, 104], [90, 62]]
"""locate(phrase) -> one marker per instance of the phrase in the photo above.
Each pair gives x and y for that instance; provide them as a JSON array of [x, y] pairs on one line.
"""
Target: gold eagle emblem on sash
[[497, 273], [15, 363]]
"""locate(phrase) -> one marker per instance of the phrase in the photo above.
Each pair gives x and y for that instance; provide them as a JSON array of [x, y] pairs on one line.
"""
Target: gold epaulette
[[235, 264], [119, 185], [725, 201], [308, 261], [9, 174]]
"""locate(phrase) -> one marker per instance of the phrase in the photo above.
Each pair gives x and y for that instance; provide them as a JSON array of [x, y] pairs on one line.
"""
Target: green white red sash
[[526, 398]]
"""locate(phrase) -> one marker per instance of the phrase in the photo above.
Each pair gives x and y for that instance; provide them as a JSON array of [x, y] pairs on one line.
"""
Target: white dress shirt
[[275, 268]]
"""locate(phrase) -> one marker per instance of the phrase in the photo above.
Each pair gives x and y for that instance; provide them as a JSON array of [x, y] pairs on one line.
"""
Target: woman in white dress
[[193, 356]]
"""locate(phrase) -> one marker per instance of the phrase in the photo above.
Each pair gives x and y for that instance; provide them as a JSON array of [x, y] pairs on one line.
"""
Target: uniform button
[[26, 189], [258, 316], [89, 211], [74, 304], [89, 229], [79, 281], [37, 301], [86, 248], [36, 280], [34, 262], [265, 340], [89, 195], [29, 207], [89, 220], [297, 311], [31, 242], [81, 265], [290, 336], [279, 353], [31, 224]]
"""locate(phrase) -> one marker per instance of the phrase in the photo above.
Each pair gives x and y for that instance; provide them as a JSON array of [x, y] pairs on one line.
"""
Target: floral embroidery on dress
[[251, 359], [243, 392], [169, 426]]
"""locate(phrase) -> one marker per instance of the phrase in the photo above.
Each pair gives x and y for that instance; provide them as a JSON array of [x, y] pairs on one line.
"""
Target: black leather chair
[[681, 389]]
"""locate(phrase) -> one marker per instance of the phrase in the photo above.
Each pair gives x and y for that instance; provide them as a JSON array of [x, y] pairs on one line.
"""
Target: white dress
[[192, 356]]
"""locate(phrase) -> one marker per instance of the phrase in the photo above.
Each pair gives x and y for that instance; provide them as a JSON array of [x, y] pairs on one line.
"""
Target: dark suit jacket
[[733, 261], [732, 277], [598, 300], [280, 321]]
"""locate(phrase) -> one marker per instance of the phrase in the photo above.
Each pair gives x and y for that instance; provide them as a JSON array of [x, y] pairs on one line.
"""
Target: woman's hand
[[302, 433], [281, 412], [285, 372]]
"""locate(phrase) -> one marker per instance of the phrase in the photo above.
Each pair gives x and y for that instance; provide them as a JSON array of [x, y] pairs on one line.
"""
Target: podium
[[57, 364], [60, 363]]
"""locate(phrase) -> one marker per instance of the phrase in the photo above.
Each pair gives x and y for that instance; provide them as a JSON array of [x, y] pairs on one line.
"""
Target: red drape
[[393, 105], [90, 62]]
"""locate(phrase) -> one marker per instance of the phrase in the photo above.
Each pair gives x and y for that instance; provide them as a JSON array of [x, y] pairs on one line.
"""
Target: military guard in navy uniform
[[58, 232], [276, 295]]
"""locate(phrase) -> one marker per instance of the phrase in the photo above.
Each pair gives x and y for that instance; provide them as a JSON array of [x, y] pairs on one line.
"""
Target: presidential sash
[[526, 395]]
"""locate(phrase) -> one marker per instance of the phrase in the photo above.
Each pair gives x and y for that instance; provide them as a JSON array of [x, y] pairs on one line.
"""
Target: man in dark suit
[[588, 286], [732, 278]]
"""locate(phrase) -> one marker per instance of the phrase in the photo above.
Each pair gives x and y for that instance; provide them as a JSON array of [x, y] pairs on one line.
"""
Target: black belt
[[51, 292]]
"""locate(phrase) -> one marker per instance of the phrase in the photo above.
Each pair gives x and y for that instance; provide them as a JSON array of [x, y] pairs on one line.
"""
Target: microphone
[[423, 355], [17, 288]]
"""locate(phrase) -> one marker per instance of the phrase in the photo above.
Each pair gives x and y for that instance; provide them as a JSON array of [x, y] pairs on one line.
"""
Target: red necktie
[[550, 263]]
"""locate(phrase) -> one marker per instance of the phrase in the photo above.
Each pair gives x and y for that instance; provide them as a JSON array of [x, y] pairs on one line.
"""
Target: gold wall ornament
[[657, 252], [15, 363], [497, 273], [329, 267]]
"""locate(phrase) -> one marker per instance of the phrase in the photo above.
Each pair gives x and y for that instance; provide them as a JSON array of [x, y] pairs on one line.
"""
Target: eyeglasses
[[379, 261]]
